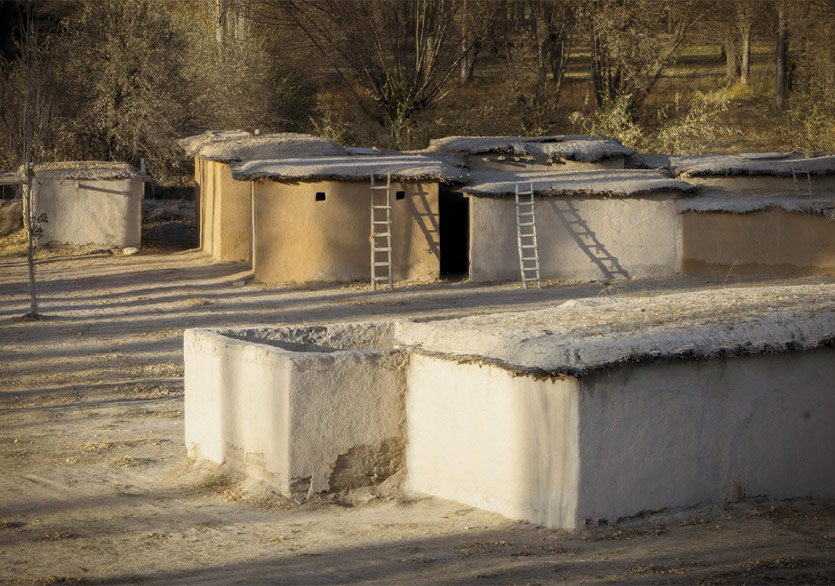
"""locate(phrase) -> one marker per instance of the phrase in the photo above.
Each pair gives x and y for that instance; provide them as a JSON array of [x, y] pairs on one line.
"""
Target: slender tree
[[30, 151]]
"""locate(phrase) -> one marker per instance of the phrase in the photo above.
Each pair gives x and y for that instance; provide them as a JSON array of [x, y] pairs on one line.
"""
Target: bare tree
[[400, 52], [477, 20], [30, 147], [538, 47], [782, 55], [633, 43]]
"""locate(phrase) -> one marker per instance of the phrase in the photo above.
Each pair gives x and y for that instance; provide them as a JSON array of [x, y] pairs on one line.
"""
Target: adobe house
[[89, 202], [591, 410], [223, 206], [765, 213], [312, 214], [591, 225]]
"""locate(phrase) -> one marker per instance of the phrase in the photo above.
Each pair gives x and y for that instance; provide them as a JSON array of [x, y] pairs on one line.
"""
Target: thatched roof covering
[[585, 335], [86, 170], [9, 178], [776, 164], [402, 166], [587, 149], [229, 146], [647, 161], [816, 206], [552, 183]]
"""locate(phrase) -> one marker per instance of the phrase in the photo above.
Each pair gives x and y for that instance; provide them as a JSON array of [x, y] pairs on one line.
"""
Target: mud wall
[[223, 211], [772, 241], [636, 437], [579, 238], [319, 231], [90, 212], [304, 417]]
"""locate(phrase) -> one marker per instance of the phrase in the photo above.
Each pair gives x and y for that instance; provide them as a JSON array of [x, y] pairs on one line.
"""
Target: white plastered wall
[[286, 416], [79, 211], [483, 437], [681, 432], [580, 238], [615, 443]]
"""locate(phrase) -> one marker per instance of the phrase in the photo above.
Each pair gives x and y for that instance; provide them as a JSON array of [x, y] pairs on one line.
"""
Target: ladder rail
[[380, 238], [526, 240]]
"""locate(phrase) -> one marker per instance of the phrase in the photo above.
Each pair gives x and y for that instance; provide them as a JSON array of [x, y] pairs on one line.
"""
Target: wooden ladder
[[526, 237], [800, 173], [381, 234]]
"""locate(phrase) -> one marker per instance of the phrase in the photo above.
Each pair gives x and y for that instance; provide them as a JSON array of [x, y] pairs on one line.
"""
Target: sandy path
[[95, 486]]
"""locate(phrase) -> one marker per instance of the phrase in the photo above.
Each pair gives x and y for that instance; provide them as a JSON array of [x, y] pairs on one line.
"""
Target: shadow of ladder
[[380, 238], [587, 240], [526, 237]]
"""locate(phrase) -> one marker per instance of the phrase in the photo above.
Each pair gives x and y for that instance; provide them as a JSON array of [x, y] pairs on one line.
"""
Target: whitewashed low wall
[[612, 444], [79, 211], [308, 409], [579, 238]]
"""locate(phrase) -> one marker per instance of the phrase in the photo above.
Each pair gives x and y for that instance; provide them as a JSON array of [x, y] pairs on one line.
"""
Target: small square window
[[320, 196], [400, 195]]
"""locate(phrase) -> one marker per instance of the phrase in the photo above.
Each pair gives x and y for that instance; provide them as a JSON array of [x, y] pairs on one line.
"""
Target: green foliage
[[687, 130], [614, 118], [127, 58]]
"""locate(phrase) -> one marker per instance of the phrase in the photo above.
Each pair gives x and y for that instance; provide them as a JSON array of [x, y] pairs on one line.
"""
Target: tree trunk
[[781, 89], [469, 51], [221, 19], [745, 56]]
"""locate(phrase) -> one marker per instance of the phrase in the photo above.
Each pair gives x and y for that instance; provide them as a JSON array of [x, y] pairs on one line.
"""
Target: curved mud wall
[[223, 211], [301, 238], [580, 238], [107, 212]]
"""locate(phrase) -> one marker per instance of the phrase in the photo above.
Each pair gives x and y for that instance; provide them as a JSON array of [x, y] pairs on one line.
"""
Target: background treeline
[[123, 79]]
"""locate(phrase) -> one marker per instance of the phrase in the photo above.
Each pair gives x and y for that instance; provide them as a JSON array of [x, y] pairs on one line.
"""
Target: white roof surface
[[780, 164], [87, 170], [584, 335], [588, 149], [604, 182], [402, 166], [237, 145]]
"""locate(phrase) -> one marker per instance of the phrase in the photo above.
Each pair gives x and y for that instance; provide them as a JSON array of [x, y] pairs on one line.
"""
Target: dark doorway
[[454, 228]]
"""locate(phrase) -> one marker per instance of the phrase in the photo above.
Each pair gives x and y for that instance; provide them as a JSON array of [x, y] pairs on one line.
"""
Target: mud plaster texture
[[299, 238], [223, 211], [89, 211], [772, 241], [579, 238], [304, 416], [95, 487]]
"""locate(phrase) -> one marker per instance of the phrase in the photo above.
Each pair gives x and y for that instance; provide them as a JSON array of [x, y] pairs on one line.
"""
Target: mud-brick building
[[312, 214]]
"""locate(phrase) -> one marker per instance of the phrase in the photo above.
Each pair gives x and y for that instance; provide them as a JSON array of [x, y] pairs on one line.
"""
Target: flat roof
[[89, 170], [768, 164], [237, 145], [604, 182], [585, 335], [588, 149], [401, 166]]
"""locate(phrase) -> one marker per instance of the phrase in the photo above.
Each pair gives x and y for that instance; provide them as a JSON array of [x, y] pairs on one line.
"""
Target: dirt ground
[[96, 488]]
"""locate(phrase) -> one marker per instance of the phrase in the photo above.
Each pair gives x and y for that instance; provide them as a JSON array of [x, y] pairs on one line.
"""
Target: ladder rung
[[525, 214], [383, 278], [528, 246], [527, 224], [379, 187], [381, 264], [381, 249], [381, 207]]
